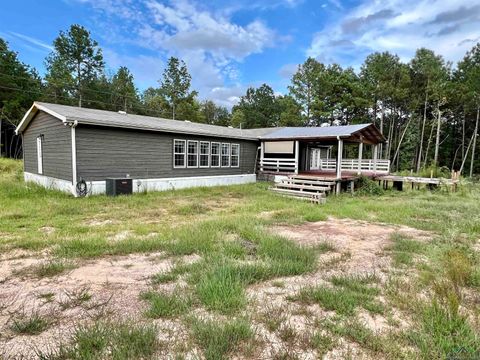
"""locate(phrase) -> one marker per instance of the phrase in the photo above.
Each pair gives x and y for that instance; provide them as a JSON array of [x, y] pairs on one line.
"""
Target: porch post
[[339, 165], [375, 157], [360, 157], [339, 158], [297, 155], [262, 153]]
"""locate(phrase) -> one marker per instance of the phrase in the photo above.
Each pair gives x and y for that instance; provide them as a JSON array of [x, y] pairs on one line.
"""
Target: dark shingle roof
[[115, 119], [131, 121]]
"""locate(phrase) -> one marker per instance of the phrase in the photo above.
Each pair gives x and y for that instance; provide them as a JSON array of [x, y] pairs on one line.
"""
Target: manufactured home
[[65, 145]]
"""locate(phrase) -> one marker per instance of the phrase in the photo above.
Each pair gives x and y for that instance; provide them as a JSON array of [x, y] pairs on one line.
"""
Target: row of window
[[204, 154]]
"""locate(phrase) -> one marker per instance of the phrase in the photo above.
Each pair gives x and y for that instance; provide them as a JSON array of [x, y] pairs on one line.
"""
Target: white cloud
[[287, 70], [211, 44], [146, 69], [29, 41], [399, 26], [184, 27]]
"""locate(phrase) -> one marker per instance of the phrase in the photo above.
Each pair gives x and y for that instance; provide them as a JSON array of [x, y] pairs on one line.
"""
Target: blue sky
[[230, 45]]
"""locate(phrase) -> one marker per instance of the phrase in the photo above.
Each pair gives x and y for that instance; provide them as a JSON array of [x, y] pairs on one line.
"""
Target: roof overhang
[[367, 135], [31, 114]]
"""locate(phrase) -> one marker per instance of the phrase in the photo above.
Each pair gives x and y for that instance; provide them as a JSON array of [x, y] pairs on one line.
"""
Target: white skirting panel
[[49, 182], [163, 184], [146, 185]]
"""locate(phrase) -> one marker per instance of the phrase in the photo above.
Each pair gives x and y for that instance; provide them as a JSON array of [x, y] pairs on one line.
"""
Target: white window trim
[[184, 154], [219, 155], [40, 154], [207, 154], [188, 154], [238, 155]]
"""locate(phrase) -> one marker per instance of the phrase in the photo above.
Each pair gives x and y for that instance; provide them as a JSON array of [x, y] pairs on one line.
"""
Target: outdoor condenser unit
[[118, 186]]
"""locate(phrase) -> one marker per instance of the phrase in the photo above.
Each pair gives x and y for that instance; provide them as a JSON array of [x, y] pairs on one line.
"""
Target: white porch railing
[[352, 165], [277, 165], [288, 165]]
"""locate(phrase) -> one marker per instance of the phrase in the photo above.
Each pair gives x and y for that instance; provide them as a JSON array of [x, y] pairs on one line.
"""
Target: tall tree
[[290, 111], [20, 85], [429, 80], [75, 52], [377, 76], [304, 82], [214, 114], [259, 106], [175, 84], [469, 69], [59, 80], [124, 90]]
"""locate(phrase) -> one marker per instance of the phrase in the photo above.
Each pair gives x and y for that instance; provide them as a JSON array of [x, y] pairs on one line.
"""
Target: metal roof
[[115, 119], [308, 132], [72, 114]]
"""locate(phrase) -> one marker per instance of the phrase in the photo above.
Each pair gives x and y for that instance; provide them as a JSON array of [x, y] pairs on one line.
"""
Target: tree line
[[428, 109]]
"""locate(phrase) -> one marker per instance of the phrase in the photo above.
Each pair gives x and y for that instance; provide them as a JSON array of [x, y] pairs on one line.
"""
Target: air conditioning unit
[[118, 186]]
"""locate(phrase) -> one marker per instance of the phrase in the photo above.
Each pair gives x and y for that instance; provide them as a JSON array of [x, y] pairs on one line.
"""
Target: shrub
[[366, 186]]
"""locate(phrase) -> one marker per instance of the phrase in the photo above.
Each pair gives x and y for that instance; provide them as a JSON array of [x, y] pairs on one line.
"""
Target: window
[[40, 154], [215, 155], [192, 154], [235, 158], [179, 153], [204, 154], [225, 155]]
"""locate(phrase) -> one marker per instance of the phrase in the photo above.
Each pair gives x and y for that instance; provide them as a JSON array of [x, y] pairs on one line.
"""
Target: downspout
[[73, 125]]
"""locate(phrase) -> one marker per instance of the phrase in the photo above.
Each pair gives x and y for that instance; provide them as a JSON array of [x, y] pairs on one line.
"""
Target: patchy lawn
[[237, 272]]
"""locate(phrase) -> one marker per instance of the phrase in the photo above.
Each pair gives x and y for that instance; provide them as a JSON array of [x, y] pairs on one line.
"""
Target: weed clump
[[219, 339], [366, 186], [108, 340], [29, 324]]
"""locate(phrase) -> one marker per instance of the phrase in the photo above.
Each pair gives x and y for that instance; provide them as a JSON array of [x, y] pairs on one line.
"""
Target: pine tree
[[76, 59], [175, 85]]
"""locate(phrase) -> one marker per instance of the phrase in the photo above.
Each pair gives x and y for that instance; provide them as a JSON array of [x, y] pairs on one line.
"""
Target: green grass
[[48, 268], [227, 228], [166, 305], [348, 294], [404, 248], [219, 339], [442, 333], [323, 343], [108, 340], [31, 324]]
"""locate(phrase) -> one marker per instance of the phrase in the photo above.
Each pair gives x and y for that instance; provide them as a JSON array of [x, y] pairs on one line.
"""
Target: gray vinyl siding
[[112, 152], [57, 147]]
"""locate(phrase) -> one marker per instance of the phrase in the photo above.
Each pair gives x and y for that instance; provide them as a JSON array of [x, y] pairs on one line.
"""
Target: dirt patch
[[364, 241], [98, 288], [99, 222], [359, 249], [113, 285], [47, 230]]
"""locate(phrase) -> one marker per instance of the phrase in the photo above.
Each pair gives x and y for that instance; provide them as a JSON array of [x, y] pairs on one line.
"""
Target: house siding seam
[[57, 147], [113, 152]]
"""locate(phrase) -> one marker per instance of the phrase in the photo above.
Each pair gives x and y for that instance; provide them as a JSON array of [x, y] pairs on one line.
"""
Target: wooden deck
[[346, 175], [417, 180]]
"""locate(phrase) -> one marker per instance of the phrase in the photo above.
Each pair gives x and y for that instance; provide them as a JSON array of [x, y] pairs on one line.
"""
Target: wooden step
[[315, 198], [312, 177], [310, 182], [300, 187], [298, 193]]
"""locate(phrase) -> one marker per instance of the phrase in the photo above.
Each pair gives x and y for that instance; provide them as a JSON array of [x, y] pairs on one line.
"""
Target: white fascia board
[[32, 112]]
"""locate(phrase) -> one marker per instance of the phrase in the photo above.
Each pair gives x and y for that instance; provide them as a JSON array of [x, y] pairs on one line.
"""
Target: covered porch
[[336, 152]]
